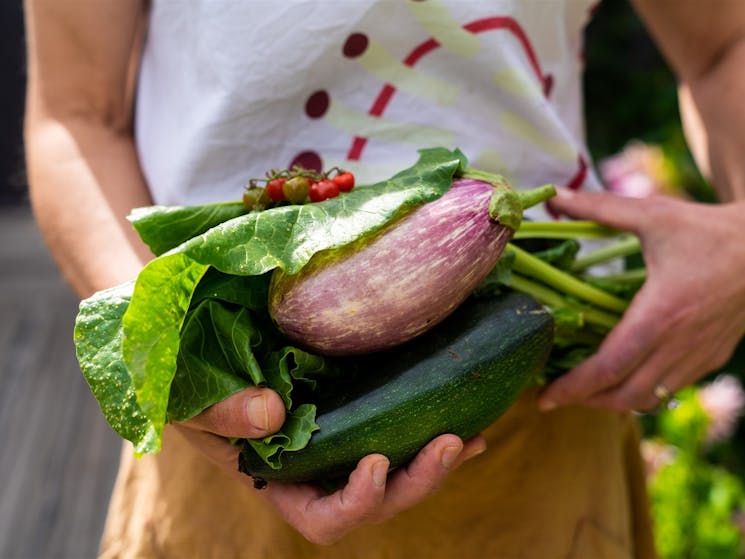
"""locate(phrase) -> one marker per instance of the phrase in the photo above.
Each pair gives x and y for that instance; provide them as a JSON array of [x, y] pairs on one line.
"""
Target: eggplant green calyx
[[506, 205], [505, 201], [505, 208]]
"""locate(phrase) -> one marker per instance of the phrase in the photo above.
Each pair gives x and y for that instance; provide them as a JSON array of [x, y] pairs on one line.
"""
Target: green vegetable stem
[[532, 266]]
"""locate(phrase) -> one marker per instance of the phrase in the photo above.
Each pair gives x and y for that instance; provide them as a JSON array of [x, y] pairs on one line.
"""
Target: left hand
[[687, 318]]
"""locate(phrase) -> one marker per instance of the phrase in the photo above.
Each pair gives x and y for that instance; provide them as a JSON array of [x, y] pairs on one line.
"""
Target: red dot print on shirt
[[317, 104], [355, 45], [308, 160]]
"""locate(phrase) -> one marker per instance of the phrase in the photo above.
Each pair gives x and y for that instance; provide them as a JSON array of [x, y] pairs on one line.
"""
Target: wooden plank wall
[[58, 456]]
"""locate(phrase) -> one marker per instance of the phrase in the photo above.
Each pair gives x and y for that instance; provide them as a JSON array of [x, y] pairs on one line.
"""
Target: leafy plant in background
[[698, 505]]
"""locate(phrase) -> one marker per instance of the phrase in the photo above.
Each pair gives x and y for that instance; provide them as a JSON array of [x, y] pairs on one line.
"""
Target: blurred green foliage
[[697, 503], [630, 92]]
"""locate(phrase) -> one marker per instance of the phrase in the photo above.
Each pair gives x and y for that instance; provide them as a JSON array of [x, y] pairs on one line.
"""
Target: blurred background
[[59, 457]]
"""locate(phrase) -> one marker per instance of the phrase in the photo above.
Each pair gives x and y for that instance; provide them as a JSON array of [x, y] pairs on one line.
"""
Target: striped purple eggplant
[[389, 288]]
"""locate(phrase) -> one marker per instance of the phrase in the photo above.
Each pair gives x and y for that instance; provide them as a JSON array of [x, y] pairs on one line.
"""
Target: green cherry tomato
[[252, 198], [296, 189]]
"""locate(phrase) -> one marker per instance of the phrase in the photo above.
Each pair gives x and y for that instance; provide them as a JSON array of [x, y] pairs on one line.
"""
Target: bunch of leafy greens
[[193, 328], [545, 262]]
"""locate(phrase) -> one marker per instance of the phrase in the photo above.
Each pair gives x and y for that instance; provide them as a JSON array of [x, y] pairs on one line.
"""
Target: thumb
[[618, 212], [251, 413]]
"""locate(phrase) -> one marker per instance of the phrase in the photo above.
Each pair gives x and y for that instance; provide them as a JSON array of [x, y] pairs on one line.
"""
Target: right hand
[[370, 495]]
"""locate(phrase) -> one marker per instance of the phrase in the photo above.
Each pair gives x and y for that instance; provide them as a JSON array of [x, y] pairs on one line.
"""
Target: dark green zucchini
[[457, 378]]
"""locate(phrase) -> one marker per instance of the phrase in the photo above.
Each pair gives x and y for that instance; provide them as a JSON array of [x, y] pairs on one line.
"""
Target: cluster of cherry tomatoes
[[296, 186]]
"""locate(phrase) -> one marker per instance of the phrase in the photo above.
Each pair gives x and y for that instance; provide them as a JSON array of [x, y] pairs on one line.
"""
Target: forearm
[[84, 174], [705, 46], [84, 179], [711, 107]]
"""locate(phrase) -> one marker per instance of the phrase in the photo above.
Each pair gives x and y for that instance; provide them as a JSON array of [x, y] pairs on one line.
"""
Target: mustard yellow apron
[[563, 484]]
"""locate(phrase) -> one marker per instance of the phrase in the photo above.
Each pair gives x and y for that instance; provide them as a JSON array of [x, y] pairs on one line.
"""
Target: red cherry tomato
[[345, 181], [323, 190], [274, 189]]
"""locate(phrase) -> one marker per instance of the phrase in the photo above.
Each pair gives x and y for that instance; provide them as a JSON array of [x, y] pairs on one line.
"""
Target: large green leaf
[[98, 341], [165, 227], [294, 435], [251, 292], [288, 236], [216, 359], [290, 367], [152, 327]]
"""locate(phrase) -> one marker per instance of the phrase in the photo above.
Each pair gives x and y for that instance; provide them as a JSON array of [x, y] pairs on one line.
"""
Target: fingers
[[370, 495], [624, 349], [618, 212], [639, 391], [251, 413], [637, 357], [323, 519], [426, 473], [660, 376]]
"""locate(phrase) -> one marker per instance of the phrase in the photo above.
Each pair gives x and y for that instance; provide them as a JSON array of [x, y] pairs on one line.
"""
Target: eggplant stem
[[528, 198], [535, 196]]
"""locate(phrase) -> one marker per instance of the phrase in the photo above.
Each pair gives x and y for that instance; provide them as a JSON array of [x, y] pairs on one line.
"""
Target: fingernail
[[564, 193], [380, 473], [546, 405], [258, 413], [450, 455], [475, 452]]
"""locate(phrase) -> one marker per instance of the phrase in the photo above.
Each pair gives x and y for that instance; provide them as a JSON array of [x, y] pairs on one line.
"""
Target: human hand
[[687, 318], [370, 495], [252, 413]]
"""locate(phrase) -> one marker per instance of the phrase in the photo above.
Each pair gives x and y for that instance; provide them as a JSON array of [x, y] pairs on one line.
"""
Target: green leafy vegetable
[[205, 253], [152, 325], [165, 227], [98, 341]]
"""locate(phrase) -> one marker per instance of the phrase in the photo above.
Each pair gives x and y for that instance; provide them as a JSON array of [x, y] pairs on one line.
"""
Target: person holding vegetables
[[136, 103]]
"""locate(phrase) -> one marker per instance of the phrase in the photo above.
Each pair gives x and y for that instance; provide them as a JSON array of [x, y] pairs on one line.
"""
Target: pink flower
[[656, 456], [638, 171], [722, 400]]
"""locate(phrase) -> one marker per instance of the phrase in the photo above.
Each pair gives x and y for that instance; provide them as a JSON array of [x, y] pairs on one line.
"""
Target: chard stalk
[[529, 265], [551, 298], [626, 246], [633, 275], [563, 230]]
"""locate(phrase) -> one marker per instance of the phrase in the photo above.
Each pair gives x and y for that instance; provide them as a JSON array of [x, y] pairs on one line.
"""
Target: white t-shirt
[[232, 88]]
